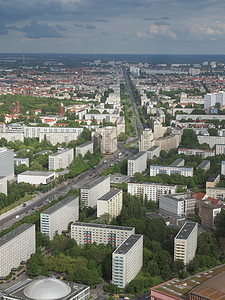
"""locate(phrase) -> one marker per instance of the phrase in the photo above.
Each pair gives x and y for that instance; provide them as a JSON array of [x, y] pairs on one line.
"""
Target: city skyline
[[118, 27]]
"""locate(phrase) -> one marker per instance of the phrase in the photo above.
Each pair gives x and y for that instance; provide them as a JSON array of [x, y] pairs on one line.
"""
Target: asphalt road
[[9, 218]]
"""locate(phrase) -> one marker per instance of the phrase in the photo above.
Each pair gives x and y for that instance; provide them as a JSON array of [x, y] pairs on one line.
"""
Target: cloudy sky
[[113, 26]]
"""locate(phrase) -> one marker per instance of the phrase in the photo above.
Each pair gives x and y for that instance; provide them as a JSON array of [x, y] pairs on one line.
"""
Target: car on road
[[17, 216]]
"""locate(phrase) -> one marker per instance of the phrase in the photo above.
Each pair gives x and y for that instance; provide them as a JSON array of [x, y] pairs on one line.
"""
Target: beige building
[[212, 181], [209, 212], [16, 246], [185, 242], [105, 139], [61, 159], [93, 190], [127, 260], [146, 141], [110, 203], [84, 148], [169, 142], [88, 233], [57, 217], [151, 190], [137, 164], [216, 192]]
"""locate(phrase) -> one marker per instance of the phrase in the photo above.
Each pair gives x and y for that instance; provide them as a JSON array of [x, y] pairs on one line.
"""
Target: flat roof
[[110, 194], [186, 230], [59, 204], [166, 166], [94, 182], [153, 148], [104, 226], [12, 234], [61, 152], [84, 145], [177, 161], [212, 178], [128, 244], [37, 173], [132, 181], [203, 164], [138, 155]]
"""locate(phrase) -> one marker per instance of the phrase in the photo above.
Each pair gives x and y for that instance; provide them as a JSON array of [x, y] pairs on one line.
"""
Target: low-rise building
[[84, 148], [15, 247], [61, 159], [111, 203], [36, 177], [152, 152], [21, 161], [205, 165], [57, 217], [184, 171], [93, 190], [137, 164], [202, 152], [185, 242], [127, 260], [179, 162], [88, 233], [212, 181], [151, 190]]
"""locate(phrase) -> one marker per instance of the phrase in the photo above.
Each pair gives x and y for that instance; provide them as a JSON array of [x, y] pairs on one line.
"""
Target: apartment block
[[152, 190], [88, 233], [127, 260], [84, 148], [212, 181], [61, 159], [36, 177], [59, 135], [105, 139], [7, 163], [152, 152], [208, 214], [168, 142], [137, 164], [57, 217], [184, 171], [205, 165], [146, 141], [220, 149], [95, 189], [15, 247], [223, 167], [185, 242], [21, 161], [111, 203], [3, 185], [202, 152], [179, 162], [216, 192]]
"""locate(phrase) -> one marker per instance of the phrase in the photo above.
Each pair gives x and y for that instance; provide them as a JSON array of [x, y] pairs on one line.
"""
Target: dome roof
[[46, 289]]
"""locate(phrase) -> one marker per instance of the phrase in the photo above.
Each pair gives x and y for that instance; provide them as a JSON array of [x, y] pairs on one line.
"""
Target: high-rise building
[[127, 260], [95, 189], [61, 159], [88, 233], [146, 141], [105, 139], [185, 242], [138, 163], [57, 217], [110, 203], [16, 246], [3, 185], [7, 163]]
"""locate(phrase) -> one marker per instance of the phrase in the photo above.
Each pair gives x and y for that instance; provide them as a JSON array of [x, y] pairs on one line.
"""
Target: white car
[[17, 216]]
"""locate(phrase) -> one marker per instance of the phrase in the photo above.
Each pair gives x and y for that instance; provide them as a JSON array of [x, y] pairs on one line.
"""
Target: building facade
[[137, 164], [216, 192], [7, 163], [3, 185], [202, 152], [151, 190], [184, 171], [59, 134], [88, 233], [36, 177], [185, 242], [57, 217], [92, 191], [105, 139], [21, 161], [84, 148], [61, 159], [146, 141], [127, 260], [152, 152], [15, 247], [111, 203]]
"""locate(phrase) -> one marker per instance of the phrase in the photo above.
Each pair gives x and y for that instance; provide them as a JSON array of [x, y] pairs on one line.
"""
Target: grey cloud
[[78, 25], [61, 27], [88, 26], [3, 29]]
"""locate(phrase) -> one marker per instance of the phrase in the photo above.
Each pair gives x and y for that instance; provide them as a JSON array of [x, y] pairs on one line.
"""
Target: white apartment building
[[59, 134], [95, 189], [21, 161], [172, 206], [185, 242], [220, 149], [111, 203], [223, 167], [61, 159], [184, 171], [151, 190], [3, 185], [105, 139], [16, 246], [12, 136], [84, 148], [152, 152], [137, 164], [127, 260], [216, 192], [209, 100], [57, 217], [88, 233], [146, 141], [36, 177], [202, 152], [7, 163]]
